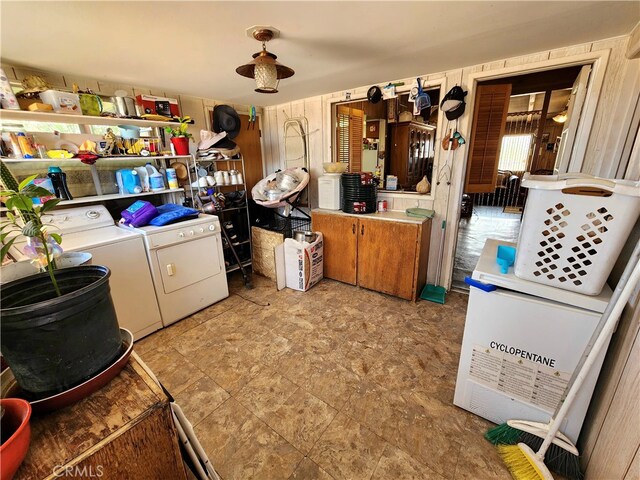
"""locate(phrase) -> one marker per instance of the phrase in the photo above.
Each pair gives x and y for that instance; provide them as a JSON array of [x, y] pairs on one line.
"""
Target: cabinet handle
[[361, 229], [353, 228]]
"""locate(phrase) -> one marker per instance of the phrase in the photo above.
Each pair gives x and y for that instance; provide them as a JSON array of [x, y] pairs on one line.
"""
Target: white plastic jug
[[144, 178], [156, 179]]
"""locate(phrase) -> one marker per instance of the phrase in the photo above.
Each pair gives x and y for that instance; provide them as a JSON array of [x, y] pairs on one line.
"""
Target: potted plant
[[179, 135], [59, 327]]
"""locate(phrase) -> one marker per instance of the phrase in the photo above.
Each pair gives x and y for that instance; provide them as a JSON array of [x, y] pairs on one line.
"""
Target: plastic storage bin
[[573, 229], [62, 102]]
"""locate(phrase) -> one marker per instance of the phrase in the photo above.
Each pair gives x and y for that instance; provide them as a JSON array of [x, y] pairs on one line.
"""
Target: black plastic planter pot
[[54, 343]]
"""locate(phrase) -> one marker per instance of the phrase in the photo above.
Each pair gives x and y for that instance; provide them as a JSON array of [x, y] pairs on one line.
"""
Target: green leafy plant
[[181, 129], [24, 219]]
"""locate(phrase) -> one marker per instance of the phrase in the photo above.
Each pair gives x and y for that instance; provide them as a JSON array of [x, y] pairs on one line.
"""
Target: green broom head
[[522, 463], [557, 458], [503, 434]]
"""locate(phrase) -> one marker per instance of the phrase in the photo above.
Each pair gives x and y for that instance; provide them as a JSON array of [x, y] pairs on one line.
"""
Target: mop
[[555, 448], [434, 292]]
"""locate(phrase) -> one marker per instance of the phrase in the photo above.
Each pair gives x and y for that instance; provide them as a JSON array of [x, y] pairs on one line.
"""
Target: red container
[[15, 425], [181, 144]]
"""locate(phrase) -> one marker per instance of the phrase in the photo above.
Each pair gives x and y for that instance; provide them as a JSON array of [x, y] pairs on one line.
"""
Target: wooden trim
[[599, 60]]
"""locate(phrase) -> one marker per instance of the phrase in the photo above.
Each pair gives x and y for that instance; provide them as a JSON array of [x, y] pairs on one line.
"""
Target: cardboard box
[[159, 105], [303, 263]]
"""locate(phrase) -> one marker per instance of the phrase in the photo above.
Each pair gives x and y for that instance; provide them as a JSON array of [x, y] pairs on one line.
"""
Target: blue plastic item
[[487, 287], [172, 213], [505, 257]]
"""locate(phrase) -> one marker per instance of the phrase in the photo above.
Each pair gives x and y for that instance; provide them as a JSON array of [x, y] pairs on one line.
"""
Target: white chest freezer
[[521, 345]]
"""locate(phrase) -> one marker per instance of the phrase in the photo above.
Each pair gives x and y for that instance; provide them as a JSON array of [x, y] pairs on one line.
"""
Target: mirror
[[386, 138]]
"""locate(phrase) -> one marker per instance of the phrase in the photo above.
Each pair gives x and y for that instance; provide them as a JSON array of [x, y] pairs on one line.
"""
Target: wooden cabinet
[[379, 254], [124, 430], [412, 153], [340, 245]]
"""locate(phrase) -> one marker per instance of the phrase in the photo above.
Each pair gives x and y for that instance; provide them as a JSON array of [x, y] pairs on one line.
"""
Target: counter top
[[387, 216]]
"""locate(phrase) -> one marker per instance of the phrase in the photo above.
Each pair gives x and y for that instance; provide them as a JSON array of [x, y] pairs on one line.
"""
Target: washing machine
[[92, 229]]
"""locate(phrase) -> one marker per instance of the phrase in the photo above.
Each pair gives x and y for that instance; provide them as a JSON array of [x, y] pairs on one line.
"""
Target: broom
[[522, 461]]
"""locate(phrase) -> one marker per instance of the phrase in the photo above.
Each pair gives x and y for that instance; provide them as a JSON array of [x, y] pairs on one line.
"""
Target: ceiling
[[195, 47]]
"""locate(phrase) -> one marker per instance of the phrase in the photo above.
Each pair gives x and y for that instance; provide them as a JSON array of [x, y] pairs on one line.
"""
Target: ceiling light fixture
[[264, 67], [561, 117]]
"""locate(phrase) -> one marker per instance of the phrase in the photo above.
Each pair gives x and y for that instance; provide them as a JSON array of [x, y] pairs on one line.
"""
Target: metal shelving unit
[[226, 213]]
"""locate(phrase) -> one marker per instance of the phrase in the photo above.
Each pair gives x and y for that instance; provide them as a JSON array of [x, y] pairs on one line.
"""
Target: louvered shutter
[[356, 119], [342, 134], [489, 121]]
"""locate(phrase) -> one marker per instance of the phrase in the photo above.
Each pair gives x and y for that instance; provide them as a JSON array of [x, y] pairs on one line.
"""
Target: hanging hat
[[374, 95], [453, 103], [209, 139], [226, 119]]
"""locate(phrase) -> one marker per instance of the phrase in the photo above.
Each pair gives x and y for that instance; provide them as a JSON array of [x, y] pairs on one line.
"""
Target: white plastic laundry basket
[[573, 229]]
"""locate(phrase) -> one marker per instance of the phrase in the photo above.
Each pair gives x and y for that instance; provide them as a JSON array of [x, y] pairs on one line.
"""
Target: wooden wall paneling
[[276, 161], [619, 354], [619, 438], [634, 470], [54, 79], [315, 145], [142, 91], [108, 88], [9, 72], [493, 65], [525, 59], [623, 125], [297, 109], [266, 145], [193, 107], [607, 104], [568, 51], [82, 82], [632, 171], [284, 113]]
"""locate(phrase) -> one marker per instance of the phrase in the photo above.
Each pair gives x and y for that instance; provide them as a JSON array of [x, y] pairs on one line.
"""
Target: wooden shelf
[[116, 196], [115, 158], [26, 116]]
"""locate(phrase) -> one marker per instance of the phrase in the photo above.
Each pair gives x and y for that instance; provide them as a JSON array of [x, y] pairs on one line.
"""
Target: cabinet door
[[387, 256], [340, 245]]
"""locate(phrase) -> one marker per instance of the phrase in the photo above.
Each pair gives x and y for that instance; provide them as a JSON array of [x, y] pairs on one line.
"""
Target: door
[[565, 161], [340, 245], [249, 142], [387, 256], [187, 263], [489, 121]]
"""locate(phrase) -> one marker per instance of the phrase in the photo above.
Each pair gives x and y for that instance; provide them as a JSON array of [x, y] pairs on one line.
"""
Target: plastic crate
[[573, 229]]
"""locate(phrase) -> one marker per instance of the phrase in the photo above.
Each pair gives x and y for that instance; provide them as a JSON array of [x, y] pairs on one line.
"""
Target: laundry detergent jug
[[128, 181], [156, 179]]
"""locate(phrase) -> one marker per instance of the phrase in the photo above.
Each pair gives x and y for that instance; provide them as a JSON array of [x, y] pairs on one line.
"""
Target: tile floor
[[335, 383]]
